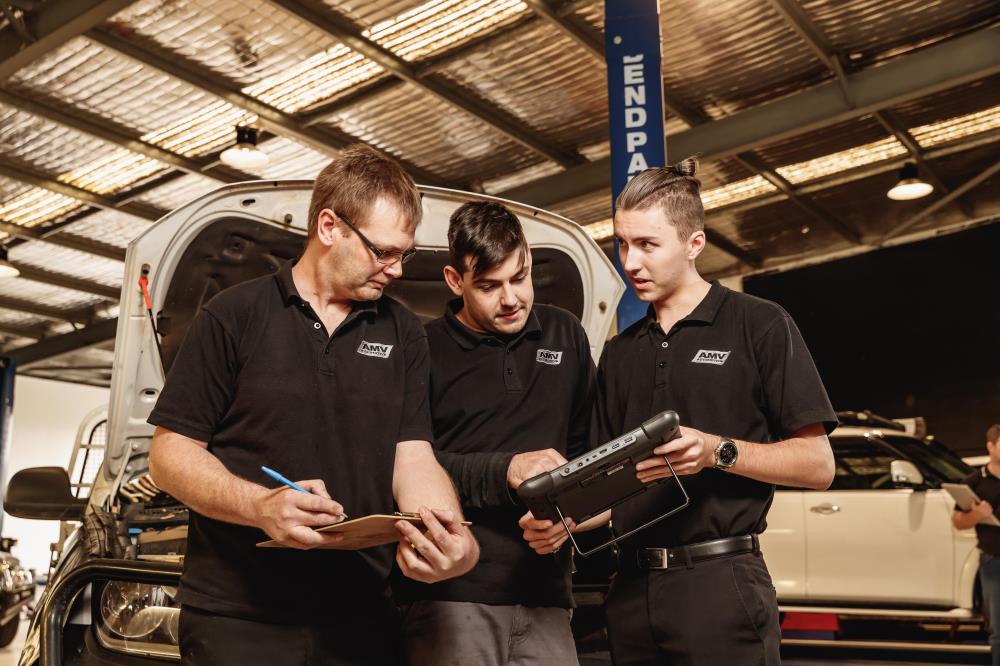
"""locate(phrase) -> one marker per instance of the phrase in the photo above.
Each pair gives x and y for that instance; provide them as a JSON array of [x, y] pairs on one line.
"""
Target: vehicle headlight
[[136, 618]]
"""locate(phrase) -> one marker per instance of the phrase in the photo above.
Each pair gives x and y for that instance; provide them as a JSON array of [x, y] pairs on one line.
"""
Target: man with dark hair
[[985, 482], [693, 589], [314, 372], [511, 386]]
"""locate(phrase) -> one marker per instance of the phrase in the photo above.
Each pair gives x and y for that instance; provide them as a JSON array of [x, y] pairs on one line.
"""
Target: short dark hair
[[993, 433], [674, 189], [356, 179], [485, 232]]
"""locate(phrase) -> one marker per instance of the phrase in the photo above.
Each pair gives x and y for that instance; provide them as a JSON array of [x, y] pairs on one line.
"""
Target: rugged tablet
[[601, 478]]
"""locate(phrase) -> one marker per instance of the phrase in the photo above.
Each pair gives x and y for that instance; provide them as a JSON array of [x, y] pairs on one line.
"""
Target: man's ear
[[454, 280], [696, 244], [326, 227]]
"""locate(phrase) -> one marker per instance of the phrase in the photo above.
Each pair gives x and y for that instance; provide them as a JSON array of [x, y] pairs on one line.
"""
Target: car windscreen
[[945, 466]]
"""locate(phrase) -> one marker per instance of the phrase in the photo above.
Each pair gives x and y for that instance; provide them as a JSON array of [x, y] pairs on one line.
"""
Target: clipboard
[[377, 529], [965, 497]]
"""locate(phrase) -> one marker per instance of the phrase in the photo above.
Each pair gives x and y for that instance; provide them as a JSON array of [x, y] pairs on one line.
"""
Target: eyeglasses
[[385, 257]]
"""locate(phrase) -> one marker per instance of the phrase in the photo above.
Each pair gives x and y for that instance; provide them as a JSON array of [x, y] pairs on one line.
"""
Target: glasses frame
[[380, 254]]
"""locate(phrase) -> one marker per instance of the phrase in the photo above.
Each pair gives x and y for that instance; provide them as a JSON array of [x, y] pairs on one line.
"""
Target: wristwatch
[[726, 454]]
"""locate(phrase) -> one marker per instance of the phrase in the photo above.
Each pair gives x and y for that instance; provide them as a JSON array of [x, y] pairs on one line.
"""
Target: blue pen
[[280, 479]]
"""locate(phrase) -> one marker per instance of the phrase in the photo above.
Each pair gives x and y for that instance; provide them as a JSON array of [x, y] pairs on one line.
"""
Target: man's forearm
[[801, 462], [184, 468], [480, 478], [963, 520], [418, 480]]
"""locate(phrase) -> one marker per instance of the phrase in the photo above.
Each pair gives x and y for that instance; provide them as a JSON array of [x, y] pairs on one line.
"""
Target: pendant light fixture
[[245, 154], [909, 186]]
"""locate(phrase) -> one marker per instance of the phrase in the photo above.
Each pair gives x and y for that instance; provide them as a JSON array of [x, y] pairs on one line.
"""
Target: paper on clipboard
[[377, 529], [965, 497]]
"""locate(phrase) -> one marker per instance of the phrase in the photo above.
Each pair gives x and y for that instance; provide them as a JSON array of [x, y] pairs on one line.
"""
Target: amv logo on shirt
[[710, 356], [374, 349], [549, 357]]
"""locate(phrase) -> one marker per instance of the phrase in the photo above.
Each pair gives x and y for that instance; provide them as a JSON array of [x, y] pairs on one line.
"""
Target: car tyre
[[9, 631]]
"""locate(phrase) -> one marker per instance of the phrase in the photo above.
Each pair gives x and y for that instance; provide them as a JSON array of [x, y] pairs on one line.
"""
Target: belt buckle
[[653, 554]]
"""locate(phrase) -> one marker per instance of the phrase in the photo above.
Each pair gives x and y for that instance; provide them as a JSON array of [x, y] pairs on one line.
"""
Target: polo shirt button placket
[[661, 364]]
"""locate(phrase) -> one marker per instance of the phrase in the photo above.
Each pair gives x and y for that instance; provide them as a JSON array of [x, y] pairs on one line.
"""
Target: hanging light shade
[[909, 186], [245, 154], [7, 269]]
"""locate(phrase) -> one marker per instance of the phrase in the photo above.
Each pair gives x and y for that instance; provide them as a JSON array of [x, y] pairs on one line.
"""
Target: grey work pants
[[439, 633]]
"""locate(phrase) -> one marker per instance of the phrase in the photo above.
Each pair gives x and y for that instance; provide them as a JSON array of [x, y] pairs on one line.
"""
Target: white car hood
[[244, 230]]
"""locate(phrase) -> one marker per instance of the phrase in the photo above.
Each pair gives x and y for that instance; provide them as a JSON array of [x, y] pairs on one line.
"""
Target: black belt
[[665, 558]]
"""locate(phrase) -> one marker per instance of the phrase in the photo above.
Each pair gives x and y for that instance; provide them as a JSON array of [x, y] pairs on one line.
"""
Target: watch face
[[727, 454]]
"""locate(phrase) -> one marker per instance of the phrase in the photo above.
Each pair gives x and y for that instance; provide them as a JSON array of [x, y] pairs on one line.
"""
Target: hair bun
[[686, 167]]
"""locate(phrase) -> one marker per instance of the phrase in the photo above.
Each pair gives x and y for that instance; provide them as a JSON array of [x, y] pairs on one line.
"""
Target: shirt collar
[[290, 294], [468, 339], [705, 312]]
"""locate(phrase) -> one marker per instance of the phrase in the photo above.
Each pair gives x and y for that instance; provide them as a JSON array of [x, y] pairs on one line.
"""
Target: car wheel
[[9, 631]]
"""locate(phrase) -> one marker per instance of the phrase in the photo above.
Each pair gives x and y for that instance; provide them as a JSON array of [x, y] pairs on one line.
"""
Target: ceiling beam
[[87, 123], [824, 50], [68, 241], [30, 307], [583, 35], [30, 332], [807, 205], [61, 344], [897, 128], [907, 77], [321, 17], [52, 25], [323, 139], [66, 281], [31, 177], [977, 180]]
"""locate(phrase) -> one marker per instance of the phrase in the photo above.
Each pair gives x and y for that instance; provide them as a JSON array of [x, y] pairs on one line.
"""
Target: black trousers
[[215, 640], [715, 612]]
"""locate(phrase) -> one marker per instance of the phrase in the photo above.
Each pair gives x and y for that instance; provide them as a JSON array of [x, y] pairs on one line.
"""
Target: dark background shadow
[[906, 331]]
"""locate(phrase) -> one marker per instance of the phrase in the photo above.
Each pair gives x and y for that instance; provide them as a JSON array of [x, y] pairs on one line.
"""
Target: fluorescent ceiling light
[[245, 154], [820, 167], [960, 127], [37, 206], [909, 186], [438, 24]]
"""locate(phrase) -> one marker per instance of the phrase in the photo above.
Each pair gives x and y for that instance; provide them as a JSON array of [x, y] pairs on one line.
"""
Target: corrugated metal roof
[[82, 265], [537, 74], [719, 59], [434, 136]]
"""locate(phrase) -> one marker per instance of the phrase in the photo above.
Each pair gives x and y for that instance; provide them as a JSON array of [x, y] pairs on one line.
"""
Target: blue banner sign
[[635, 101]]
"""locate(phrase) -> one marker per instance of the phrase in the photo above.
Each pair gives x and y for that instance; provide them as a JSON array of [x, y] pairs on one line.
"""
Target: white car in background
[[880, 541]]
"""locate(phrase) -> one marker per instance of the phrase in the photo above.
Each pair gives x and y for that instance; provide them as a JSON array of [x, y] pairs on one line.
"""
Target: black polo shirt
[[491, 398], [264, 383], [987, 487], [736, 367]]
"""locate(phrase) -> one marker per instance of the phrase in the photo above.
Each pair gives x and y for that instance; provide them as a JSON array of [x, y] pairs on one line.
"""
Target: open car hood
[[245, 230]]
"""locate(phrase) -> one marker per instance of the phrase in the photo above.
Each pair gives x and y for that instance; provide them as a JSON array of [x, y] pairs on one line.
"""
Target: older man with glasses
[[311, 371]]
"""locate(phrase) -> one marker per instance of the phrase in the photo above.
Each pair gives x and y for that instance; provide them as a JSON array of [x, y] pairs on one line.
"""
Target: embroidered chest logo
[[549, 357], [711, 357], [374, 349]]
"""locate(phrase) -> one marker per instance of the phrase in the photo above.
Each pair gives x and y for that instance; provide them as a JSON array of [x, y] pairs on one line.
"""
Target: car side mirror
[[905, 474], [43, 493]]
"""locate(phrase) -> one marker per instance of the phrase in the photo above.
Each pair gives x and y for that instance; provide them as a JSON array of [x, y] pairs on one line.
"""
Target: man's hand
[[981, 510], [447, 550], [689, 454], [544, 536], [289, 516], [523, 466]]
